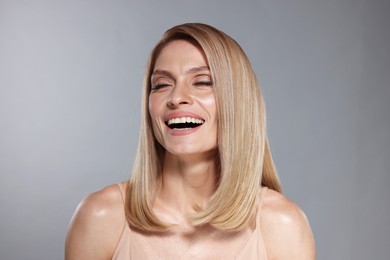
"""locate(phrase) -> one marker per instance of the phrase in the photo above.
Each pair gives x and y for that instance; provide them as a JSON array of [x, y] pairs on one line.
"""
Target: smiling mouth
[[184, 123]]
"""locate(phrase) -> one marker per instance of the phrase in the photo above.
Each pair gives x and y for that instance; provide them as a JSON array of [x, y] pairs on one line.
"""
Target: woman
[[204, 185]]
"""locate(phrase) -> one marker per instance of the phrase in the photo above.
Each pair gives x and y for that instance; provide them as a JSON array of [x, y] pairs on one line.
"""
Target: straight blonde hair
[[244, 158]]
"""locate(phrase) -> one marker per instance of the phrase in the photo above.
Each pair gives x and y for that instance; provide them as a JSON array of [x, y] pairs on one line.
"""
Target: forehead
[[180, 53]]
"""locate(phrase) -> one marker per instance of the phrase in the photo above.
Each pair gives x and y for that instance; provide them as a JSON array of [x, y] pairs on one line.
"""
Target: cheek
[[155, 113], [154, 108], [157, 103], [209, 101], [210, 105], [151, 106]]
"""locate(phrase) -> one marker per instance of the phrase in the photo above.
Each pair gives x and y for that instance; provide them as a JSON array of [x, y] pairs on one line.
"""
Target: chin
[[190, 151]]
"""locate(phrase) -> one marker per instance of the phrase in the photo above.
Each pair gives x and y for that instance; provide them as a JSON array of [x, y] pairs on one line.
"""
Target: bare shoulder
[[285, 228], [96, 226]]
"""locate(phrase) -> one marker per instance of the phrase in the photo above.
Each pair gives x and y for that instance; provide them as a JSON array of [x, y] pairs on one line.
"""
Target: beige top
[[131, 244]]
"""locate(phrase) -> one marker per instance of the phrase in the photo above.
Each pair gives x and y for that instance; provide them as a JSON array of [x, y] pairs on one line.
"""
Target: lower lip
[[179, 132]]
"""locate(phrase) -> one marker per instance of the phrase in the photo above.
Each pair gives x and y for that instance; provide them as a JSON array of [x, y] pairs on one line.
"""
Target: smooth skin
[[188, 177]]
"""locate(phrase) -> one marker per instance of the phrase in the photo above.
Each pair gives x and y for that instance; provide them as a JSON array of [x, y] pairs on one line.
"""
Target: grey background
[[70, 85]]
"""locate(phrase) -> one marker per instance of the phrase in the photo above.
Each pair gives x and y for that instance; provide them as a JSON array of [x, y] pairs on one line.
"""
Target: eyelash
[[159, 85], [203, 83], [199, 83]]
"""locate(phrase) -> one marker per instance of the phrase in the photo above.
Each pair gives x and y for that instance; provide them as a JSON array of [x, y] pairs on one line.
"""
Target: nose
[[179, 96]]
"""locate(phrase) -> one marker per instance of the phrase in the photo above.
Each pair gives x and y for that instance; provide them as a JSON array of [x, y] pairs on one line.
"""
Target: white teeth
[[183, 120]]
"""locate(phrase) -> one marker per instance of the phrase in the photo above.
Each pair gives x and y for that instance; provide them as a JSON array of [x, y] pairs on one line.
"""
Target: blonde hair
[[244, 157]]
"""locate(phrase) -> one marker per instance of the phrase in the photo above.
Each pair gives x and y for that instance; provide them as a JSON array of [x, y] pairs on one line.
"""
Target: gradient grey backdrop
[[70, 82]]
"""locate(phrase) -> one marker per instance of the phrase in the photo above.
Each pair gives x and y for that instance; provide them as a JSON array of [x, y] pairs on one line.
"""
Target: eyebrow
[[197, 69], [190, 71]]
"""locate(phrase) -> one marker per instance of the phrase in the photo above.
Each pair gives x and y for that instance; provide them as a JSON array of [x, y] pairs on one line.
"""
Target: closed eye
[[159, 86], [203, 83]]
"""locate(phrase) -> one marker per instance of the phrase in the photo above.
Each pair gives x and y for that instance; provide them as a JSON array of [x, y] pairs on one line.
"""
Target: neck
[[187, 181]]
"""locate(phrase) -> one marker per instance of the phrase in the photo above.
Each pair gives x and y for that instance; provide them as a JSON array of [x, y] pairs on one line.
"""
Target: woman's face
[[181, 102]]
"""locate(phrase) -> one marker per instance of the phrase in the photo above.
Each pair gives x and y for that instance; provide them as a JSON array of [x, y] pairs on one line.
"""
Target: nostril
[[173, 102]]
